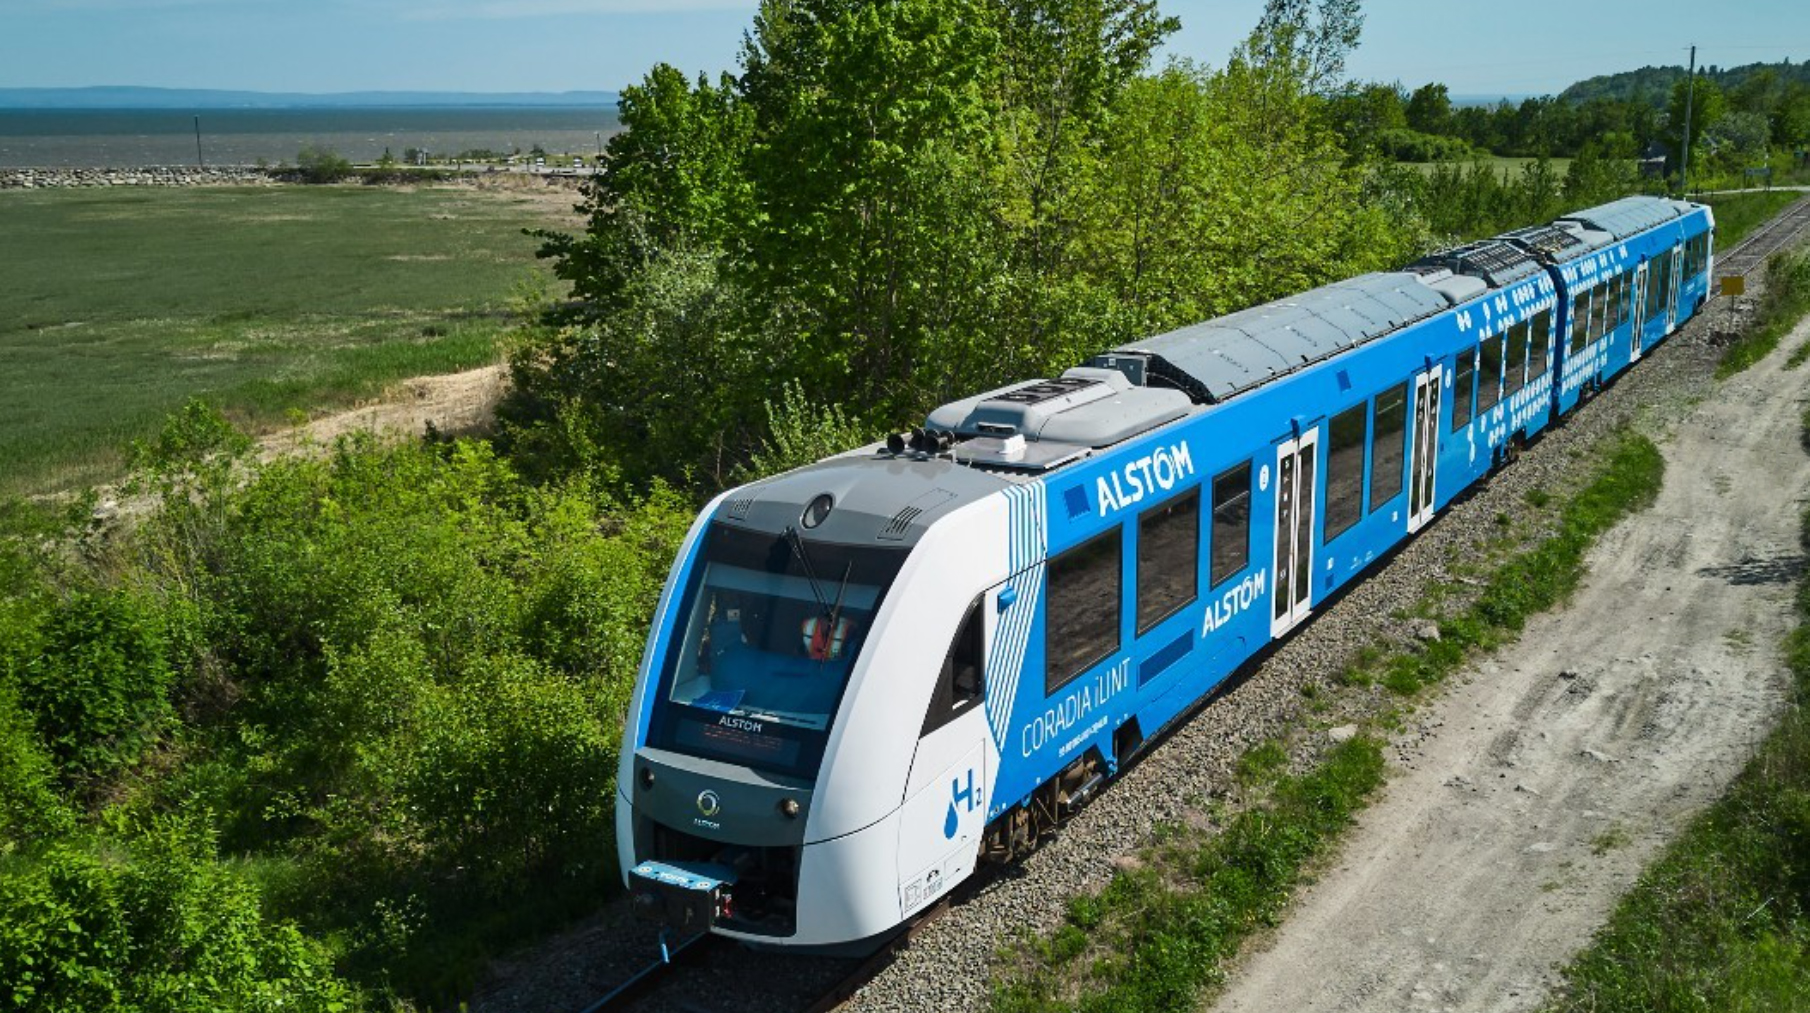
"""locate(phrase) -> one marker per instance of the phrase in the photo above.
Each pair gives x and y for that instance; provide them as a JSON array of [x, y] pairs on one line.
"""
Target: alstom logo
[[1154, 473]]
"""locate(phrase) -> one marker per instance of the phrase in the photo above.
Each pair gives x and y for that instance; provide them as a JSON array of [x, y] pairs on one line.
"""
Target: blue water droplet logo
[[950, 822]]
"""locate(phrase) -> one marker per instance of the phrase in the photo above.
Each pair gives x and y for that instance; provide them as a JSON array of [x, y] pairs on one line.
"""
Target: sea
[[127, 138]]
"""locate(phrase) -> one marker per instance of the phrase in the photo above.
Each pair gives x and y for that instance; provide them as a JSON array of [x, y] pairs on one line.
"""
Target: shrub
[[322, 165], [157, 924], [99, 691]]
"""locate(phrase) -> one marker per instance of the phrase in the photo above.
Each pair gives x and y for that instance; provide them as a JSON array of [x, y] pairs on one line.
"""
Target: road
[[1563, 763]]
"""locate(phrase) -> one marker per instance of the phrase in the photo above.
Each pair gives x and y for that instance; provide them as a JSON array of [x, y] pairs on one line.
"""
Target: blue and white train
[[867, 675]]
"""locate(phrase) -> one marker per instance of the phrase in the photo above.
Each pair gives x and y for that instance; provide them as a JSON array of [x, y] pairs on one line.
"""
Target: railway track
[[696, 976], [1751, 253]]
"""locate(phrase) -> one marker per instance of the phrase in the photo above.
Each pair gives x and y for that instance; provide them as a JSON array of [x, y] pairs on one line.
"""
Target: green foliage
[[895, 204], [800, 432], [317, 164], [1403, 144], [99, 689], [153, 922], [1786, 302], [1162, 932]]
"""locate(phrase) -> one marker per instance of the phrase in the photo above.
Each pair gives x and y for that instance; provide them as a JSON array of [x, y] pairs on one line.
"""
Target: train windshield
[[769, 631]]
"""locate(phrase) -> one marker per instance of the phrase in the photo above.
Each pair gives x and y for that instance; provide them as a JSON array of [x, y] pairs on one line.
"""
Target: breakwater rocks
[[157, 175]]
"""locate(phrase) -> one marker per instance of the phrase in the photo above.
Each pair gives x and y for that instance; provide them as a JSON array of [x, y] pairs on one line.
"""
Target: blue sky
[[1476, 47]]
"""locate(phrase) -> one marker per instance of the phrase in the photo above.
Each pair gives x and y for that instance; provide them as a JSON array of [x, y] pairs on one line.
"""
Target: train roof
[[1629, 216], [1220, 358]]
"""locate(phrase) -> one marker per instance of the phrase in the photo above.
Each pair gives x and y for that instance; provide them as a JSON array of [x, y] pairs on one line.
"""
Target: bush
[[1405, 145], [153, 924], [99, 689], [322, 165]]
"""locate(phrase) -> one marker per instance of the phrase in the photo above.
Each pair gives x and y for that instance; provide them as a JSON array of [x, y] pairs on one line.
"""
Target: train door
[[1674, 264], [1292, 586], [1423, 452], [1639, 312]]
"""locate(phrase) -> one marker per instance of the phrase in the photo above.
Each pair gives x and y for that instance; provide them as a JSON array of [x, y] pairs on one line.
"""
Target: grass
[[1739, 214], [1785, 302], [1502, 164], [1165, 926], [122, 303], [1720, 922]]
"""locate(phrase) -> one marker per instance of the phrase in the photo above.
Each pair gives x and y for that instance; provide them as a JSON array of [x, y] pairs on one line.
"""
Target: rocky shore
[[157, 175]]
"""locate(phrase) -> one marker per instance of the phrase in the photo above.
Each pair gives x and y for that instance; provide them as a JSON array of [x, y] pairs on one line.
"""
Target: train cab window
[[1081, 624], [1489, 374], [1516, 367], [1345, 469], [1388, 454], [1464, 380], [1580, 321], [1168, 558], [1231, 522], [1542, 338], [959, 687]]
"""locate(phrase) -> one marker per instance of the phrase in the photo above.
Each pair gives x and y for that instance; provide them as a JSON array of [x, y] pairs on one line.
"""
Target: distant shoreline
[[93, 138], [127, 97]]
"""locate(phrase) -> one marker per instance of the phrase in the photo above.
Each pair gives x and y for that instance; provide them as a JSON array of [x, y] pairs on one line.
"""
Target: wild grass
[[1722, 920], [122, 303], [1163, 929], [1786, 301], [1738, 214]]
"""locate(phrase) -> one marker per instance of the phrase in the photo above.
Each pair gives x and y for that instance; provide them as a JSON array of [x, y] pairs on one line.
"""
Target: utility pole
[[199, 161], [1690, 95]]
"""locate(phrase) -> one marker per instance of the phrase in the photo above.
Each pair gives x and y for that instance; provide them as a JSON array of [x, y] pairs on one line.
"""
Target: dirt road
[[1565, 761]]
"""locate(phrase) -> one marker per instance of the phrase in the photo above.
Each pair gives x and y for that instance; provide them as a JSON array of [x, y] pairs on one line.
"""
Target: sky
[[1475, 47]]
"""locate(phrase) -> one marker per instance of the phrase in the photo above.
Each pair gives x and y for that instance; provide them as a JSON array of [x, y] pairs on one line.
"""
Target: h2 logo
[[960, 795]]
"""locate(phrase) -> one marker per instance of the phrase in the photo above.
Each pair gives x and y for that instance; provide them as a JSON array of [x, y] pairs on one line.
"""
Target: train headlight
[[647, 777], [789, 806]]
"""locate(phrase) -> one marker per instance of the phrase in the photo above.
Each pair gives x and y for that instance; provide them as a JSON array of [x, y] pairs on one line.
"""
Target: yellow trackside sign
[[1734, 284]]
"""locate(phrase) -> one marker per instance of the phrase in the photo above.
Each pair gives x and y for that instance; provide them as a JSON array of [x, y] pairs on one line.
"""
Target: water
[[74, 138]]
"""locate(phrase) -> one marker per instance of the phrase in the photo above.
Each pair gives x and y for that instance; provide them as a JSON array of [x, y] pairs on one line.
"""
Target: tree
[[1706, 107], [1739, 139], [1320, 35], [1430, 109]]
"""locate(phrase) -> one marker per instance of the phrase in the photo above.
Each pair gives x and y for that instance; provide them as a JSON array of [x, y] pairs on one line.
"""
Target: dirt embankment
[[454, 404], [1564, 763]]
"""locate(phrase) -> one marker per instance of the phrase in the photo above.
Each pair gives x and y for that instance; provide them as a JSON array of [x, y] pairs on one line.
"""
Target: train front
[[781, 697]]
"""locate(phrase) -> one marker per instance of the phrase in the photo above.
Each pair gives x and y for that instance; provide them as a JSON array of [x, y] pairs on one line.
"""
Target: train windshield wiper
[[810, 573]]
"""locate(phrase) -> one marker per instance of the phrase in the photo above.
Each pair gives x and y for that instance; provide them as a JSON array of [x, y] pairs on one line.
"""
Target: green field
[[1512, 166], [120, 304]]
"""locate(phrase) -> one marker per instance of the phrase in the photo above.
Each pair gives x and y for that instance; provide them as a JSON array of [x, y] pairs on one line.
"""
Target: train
[[868, 676]]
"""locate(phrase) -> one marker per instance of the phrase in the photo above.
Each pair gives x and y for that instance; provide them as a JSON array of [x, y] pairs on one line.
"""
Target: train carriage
[[867, 675]]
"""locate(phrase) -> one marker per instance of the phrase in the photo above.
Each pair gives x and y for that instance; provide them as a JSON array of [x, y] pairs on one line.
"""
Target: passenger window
[[1580, 319], [1599, 307], [1388, 454], [1345, 470], [1081, 624], [961, 683], [1489, 374], [1542, 337], [1231, 522], [1517, 357], [1168, 558], [1464, 378]]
